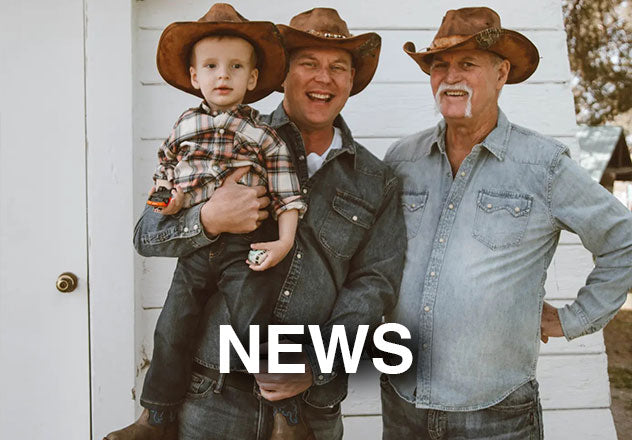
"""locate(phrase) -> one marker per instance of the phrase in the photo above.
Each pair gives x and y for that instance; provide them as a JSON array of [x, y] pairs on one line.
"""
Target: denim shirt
[[479, 245], [345, 267]]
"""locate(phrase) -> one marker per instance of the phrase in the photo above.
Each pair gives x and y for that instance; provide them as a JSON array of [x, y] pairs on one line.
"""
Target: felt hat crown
[[177, 40], [479, 28], [323, 27]]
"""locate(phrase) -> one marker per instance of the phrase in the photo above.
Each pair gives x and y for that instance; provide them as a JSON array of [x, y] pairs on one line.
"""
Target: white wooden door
[[44, 360]]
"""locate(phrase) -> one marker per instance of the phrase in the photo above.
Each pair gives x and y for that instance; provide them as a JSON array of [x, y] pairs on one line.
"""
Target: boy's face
[[222, 68]]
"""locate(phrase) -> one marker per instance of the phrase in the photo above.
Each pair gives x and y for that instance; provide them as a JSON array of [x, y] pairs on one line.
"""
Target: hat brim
[[512, 45], [364, 48], [177, 40]]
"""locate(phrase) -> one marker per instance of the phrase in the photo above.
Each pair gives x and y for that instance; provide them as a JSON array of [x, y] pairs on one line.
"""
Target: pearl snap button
[[186, 229], [432, 274], [451, 206], [299, 256], [222, 131], [304, 190], [517, 209], [489, 206], [441, 240], [427, 309], [354, 218], [286, 293], [462, 173]]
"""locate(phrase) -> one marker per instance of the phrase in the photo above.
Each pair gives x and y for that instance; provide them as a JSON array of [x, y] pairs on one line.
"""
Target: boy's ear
[[252, 81], [194, 81]]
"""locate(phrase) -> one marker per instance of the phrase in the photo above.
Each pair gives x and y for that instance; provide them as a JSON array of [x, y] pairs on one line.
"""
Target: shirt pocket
[[501, 218], [347, 222], [413, 205]]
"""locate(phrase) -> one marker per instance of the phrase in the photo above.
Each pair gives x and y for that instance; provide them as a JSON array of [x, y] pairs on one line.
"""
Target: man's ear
[[503, 73], [252, 80], [353, 71], [194, 81]]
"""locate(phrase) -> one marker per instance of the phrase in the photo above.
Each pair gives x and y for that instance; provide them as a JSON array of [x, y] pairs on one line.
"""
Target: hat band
[[325, 34], [488, 37]]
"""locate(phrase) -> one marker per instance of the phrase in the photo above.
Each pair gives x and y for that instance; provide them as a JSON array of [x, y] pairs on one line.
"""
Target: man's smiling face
[[467, 83], [317, 86]]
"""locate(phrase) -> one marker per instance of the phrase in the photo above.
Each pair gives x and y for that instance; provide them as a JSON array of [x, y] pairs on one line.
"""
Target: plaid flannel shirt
[[204, 146]]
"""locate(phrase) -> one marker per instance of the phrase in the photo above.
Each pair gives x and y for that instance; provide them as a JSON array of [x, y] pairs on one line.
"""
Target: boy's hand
[[275, 252], [175, 205]]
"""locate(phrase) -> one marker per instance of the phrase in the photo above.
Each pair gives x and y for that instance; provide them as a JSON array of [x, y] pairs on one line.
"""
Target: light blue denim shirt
[[479, 245]]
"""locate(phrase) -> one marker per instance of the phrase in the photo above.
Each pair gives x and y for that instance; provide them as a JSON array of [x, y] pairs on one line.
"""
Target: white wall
[[574, 383]]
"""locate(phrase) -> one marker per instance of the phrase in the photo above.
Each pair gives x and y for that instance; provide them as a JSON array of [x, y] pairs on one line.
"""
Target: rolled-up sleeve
[[581, 205]]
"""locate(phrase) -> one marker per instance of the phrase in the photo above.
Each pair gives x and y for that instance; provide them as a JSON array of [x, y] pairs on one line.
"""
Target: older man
[[484, 203], [346, 265]]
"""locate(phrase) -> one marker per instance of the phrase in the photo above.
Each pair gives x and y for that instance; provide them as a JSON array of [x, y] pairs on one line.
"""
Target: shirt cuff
[[574, 321], [192, 229], [318, 376]]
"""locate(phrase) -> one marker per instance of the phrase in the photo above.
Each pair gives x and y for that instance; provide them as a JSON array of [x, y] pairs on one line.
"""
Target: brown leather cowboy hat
[[323, 27], [174, 48], [479, 28]]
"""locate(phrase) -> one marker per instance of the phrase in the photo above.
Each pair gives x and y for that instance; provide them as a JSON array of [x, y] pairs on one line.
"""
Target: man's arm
[[581, 205], [232, 208]]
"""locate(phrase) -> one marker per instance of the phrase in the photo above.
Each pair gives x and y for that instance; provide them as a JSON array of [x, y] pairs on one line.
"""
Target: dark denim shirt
[[345, 267], [479, 245]]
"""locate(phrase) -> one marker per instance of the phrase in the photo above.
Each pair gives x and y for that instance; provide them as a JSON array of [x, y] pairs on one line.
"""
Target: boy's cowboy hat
[[323, 27], [479, 28], [174, 48]]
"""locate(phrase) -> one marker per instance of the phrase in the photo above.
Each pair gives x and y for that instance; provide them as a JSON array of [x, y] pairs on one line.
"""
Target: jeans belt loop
[[219, 386]]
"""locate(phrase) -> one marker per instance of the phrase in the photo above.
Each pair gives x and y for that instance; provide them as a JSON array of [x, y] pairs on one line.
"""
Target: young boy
[[227, 61]]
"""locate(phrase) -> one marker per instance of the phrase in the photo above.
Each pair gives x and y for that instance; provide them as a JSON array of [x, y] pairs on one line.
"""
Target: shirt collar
[[495, 142], [242, 111], [279, 118]]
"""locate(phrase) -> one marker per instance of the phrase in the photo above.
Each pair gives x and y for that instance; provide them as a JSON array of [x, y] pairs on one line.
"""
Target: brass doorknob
[[66, 282]]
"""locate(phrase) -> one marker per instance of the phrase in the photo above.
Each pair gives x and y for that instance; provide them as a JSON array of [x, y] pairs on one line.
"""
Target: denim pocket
[[521, 400], [347, 222], [501, 218], [200, 386], [413, 205]]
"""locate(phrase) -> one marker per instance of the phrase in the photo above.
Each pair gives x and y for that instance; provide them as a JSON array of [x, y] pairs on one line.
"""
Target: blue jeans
[[517, 417], [228, 413], [250, 297]]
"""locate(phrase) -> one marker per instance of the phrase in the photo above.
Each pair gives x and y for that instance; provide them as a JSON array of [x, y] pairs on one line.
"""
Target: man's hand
[[278, 386], [235, 208], [550, 325]]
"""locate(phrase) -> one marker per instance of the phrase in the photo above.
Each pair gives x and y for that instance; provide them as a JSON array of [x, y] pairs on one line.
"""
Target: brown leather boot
[[282, 430], [142, 430]]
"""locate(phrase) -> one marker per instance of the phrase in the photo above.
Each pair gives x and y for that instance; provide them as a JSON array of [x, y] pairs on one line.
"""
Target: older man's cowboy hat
[[323, 27], [479, 28], [177, 40]]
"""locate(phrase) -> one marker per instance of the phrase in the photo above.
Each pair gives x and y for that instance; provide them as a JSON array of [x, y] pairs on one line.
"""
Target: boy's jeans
[[518, 416], [250, 297]]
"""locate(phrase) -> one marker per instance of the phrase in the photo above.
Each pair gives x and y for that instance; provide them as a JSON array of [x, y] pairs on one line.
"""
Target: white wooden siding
[[573, 379]]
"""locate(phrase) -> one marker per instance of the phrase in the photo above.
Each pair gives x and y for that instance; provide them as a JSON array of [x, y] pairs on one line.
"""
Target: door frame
[[109, 137]]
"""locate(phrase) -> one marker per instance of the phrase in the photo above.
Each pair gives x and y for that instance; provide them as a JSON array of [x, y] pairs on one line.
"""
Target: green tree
[[599, 37]]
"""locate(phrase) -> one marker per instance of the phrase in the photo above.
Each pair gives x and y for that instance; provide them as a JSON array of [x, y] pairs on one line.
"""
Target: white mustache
[[460, 87]]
